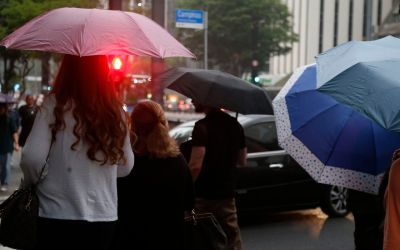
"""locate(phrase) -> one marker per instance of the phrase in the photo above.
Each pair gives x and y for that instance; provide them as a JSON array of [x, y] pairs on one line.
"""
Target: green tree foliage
[[15, 13], [240, 32]]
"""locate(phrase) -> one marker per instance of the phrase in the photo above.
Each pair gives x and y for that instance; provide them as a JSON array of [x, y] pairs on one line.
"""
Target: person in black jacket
[[153, 198], [27, 114]]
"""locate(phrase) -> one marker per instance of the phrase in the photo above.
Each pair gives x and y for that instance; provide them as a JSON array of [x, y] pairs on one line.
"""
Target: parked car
[[272, 180]]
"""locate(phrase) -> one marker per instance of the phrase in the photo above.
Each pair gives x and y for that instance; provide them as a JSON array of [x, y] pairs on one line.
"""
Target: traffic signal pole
[[157, 65], [205, 40], [115, 4], [254, 46], [117, 74]]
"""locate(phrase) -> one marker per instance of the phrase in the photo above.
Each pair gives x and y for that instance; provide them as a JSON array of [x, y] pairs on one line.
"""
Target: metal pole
[[158, 64], [166, 14], [115, 4], [205, 40]]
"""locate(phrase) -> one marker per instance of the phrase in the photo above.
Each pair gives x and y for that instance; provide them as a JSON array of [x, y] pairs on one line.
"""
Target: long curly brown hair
[[151, 128], [83, 86]]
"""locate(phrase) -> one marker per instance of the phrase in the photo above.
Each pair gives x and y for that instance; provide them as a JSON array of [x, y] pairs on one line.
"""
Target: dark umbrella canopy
[[217, 89]]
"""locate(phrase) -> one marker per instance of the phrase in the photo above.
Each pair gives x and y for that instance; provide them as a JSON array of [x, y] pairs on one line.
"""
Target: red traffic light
[[117, 66], [116, 63]]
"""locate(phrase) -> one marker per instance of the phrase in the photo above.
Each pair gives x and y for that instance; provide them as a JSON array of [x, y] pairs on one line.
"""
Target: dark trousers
[[368, 220], [368, 233], [74, 234], [225, 212]]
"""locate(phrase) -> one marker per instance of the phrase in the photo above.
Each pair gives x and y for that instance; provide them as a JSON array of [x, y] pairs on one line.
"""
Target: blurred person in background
[[152, 199], [27, 115], [14, 115], [8, 143], [87, 140]]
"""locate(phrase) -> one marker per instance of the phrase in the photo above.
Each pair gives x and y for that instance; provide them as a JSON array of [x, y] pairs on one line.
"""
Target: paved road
[[301, 230]]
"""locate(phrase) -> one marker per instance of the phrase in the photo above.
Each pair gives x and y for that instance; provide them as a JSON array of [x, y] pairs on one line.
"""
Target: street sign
[[192, 19]]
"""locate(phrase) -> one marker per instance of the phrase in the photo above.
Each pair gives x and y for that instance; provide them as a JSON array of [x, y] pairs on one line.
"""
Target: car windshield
[[181, 133]]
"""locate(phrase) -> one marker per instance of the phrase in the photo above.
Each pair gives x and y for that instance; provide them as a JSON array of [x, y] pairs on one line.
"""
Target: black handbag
[[18, 214], [203, 232]]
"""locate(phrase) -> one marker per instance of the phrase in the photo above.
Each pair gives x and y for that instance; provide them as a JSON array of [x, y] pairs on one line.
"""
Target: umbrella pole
[[237, 114]]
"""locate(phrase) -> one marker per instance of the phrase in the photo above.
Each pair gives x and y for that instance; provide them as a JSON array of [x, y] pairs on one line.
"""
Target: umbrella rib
[[144, 33], [209, 90], [84, 24], [336, 141], [374, 144], [337, 136], [302, 91], [325, 110]]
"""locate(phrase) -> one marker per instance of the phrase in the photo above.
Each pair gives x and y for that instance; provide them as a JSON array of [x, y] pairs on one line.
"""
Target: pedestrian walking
[[27, 115], [218, 147], [82, 126], [152, 199], [14, 115], [8, 143]]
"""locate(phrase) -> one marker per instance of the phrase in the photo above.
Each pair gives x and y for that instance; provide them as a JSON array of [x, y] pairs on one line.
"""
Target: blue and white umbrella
[[365, 76], [333, 142]]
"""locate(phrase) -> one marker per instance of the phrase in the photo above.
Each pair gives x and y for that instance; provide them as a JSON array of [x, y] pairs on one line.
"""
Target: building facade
[[323, 24]]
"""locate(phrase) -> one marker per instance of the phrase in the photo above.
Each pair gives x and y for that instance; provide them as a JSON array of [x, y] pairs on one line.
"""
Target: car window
[[261, 137], [181, 134]]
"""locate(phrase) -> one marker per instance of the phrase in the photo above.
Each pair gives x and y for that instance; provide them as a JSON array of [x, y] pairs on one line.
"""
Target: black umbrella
[[217, 89]]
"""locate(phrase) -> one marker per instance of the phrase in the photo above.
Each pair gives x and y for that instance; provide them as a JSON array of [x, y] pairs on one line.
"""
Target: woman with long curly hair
[[153, 197], [84, 130]]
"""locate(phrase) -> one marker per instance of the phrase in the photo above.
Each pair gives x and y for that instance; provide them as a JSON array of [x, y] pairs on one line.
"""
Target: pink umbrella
[[87, 32]]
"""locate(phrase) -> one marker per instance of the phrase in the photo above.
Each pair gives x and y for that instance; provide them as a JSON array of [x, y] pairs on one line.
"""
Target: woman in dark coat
[[153, 198]]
